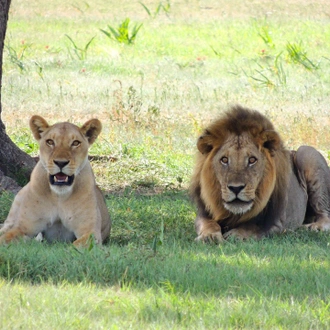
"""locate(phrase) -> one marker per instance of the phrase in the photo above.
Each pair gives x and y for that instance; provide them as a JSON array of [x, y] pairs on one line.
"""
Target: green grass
[[277, 283], [152, 274], [187, 64]]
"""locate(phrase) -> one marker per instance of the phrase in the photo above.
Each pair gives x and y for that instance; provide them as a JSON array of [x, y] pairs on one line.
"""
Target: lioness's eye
[[76, 143], [50, 142], [224, 160], [252, 160]]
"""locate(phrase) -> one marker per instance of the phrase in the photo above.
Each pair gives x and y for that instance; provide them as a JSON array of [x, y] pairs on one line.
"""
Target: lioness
[[246, 184], [61, 201]]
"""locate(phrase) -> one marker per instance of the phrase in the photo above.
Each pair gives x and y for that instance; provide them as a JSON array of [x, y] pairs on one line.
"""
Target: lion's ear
[[91, 129], [205, 142], [38, 125], [271, 141]]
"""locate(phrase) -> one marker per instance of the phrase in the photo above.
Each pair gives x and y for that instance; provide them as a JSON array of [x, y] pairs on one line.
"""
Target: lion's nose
[[61, 164], [236, 189]]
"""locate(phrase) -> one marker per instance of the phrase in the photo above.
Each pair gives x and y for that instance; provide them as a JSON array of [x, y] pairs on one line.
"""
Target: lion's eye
[[50, 142], [224, 160], [252, 160], [76, 143]]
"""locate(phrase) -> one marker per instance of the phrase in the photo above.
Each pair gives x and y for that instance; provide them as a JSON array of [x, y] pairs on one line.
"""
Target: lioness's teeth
[[65, 179]]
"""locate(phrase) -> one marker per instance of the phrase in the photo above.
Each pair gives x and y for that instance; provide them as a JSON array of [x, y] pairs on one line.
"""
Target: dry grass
[[210, 9], [153, 98]]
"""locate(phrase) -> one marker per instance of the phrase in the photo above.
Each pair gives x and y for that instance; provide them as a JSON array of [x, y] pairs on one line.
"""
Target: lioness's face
[[239, 166], [64, 149], [63, 152]]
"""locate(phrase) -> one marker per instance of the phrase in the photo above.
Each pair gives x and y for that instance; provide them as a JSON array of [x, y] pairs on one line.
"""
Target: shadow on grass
[[152, 246], [141, 217]]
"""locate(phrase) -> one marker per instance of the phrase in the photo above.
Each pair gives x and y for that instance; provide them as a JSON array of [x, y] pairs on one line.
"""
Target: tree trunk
[[14, 162]]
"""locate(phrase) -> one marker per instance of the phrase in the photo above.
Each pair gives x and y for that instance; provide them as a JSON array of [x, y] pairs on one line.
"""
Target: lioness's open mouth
[[61, 179]]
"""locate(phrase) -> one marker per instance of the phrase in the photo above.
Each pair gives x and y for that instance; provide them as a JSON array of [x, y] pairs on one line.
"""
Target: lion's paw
[[210, 237], [322, 224], [240, 233]]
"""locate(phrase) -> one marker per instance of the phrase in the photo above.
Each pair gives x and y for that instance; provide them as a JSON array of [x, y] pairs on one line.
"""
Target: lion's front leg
[[208, 230]]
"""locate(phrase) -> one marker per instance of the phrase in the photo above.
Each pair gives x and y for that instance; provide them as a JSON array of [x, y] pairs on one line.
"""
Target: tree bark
[[13, 162]]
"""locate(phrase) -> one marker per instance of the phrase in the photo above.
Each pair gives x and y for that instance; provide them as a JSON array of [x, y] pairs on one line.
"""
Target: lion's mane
[[239, 120]]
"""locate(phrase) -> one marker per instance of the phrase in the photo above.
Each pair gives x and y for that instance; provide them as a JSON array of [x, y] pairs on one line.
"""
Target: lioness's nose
[[61, 164], [236, 189]]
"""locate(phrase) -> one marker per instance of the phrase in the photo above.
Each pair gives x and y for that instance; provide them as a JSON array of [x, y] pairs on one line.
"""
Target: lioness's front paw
[[210, 237], [86, 241], [12, 235]]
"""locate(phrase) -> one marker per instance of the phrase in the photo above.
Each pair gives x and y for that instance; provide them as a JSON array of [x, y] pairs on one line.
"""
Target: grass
[[279, 283], [123, 34], [187, 64]]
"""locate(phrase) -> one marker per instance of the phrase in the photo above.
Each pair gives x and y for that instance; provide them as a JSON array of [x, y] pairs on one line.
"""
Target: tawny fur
[[62, 200], [242, 153]]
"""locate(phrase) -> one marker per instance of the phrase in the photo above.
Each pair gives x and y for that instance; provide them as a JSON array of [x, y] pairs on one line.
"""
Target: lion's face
[[235, 172], [64, 149], [241, 177], [239, 166]]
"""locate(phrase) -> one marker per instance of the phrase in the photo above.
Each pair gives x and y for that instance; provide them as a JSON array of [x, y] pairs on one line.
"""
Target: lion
[[61, 202], [246, 184]]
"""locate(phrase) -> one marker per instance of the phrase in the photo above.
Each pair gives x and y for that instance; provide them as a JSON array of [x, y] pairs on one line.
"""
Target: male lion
[[246, 184], [61, 201]]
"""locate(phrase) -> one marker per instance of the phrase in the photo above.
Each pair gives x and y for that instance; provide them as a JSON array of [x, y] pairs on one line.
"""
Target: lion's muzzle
[[238, 206], [236, 200]]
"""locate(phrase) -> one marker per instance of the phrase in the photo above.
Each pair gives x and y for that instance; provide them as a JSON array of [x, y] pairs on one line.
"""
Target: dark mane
[[236, 121]]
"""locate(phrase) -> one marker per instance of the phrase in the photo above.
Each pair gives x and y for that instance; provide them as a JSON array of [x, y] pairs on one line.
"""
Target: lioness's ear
[[271, 140], [205, 142], [38, 125], [91, 129]]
